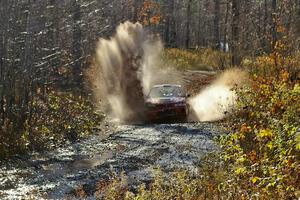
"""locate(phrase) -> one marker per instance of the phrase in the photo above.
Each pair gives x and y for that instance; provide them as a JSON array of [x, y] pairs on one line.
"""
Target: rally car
[[167, 102]]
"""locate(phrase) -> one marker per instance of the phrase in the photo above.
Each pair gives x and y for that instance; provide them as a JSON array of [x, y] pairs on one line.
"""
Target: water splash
[[218, 99], [126, 66]]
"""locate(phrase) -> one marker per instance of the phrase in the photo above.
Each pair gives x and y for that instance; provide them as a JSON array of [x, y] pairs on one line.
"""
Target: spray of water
[[126, 66], [218, 99]]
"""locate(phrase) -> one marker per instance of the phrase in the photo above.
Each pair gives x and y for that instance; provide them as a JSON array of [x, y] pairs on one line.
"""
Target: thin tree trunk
[[298, 18], [274, 32], [3, 52], [235, 33], [199, 24], [265, 25], [274, 23], [76, 44], [217, 24], [169, 27], [188, 24], [259, 29], [135, 6], [172, 25], [225, 28], [28, 62]]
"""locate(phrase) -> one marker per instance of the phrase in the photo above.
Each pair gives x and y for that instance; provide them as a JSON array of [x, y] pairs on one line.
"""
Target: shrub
[[270, 65], [52, 119], [263, 155]]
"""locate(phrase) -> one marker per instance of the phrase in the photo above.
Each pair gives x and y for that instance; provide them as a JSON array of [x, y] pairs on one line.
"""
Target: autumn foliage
[[263, 153], [150, 13], [259, 159]]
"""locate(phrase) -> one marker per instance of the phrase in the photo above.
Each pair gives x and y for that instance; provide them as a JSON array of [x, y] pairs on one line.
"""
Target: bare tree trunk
[[169, 27], [188, 24], [298, 18], [173, 33], [274, 32], [265, 32], [259, 29], [3, 48], [274, 23], [28, 64], [76, 44], [217, 24], [135, 6], [199, 24], [225, 28], [52, 39], [235, 32]]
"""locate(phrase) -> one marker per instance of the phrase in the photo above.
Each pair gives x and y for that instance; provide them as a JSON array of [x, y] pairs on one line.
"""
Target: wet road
[[135, 149]]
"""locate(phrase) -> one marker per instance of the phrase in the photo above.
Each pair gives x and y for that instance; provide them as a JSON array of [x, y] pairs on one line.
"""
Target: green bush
[[53, 119]]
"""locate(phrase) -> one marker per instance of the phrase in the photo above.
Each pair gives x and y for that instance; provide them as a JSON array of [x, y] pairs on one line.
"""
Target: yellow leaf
[[266, 133], [270, 145], [254, 180], [240, 170]]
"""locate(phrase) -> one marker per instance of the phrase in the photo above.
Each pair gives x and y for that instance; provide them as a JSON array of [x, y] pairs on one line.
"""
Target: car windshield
[[166, 91]]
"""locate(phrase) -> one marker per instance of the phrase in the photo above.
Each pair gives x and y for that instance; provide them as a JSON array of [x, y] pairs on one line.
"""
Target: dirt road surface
[[134, 149]]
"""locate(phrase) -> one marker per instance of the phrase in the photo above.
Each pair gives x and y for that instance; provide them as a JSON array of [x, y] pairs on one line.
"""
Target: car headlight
[[150, 105]]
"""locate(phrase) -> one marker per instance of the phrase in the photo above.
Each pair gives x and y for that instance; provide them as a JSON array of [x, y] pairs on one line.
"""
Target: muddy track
[[135, 149]]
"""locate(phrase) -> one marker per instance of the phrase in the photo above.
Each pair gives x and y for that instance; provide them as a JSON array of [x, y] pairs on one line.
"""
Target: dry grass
[[202, 59]]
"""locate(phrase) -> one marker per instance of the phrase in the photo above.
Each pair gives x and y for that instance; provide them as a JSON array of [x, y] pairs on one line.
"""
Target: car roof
[[166, 85]]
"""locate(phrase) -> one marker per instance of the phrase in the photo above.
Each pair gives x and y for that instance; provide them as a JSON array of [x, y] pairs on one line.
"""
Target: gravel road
[[135, 149]]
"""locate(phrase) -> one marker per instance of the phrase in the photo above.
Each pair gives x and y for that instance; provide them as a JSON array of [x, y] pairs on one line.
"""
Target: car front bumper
[[167, 113]]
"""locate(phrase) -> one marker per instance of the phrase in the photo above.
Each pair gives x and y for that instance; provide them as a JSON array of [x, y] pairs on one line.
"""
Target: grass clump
[[202, 59]]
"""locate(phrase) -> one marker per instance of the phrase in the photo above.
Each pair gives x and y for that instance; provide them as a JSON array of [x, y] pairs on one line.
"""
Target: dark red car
[[167, 102]]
